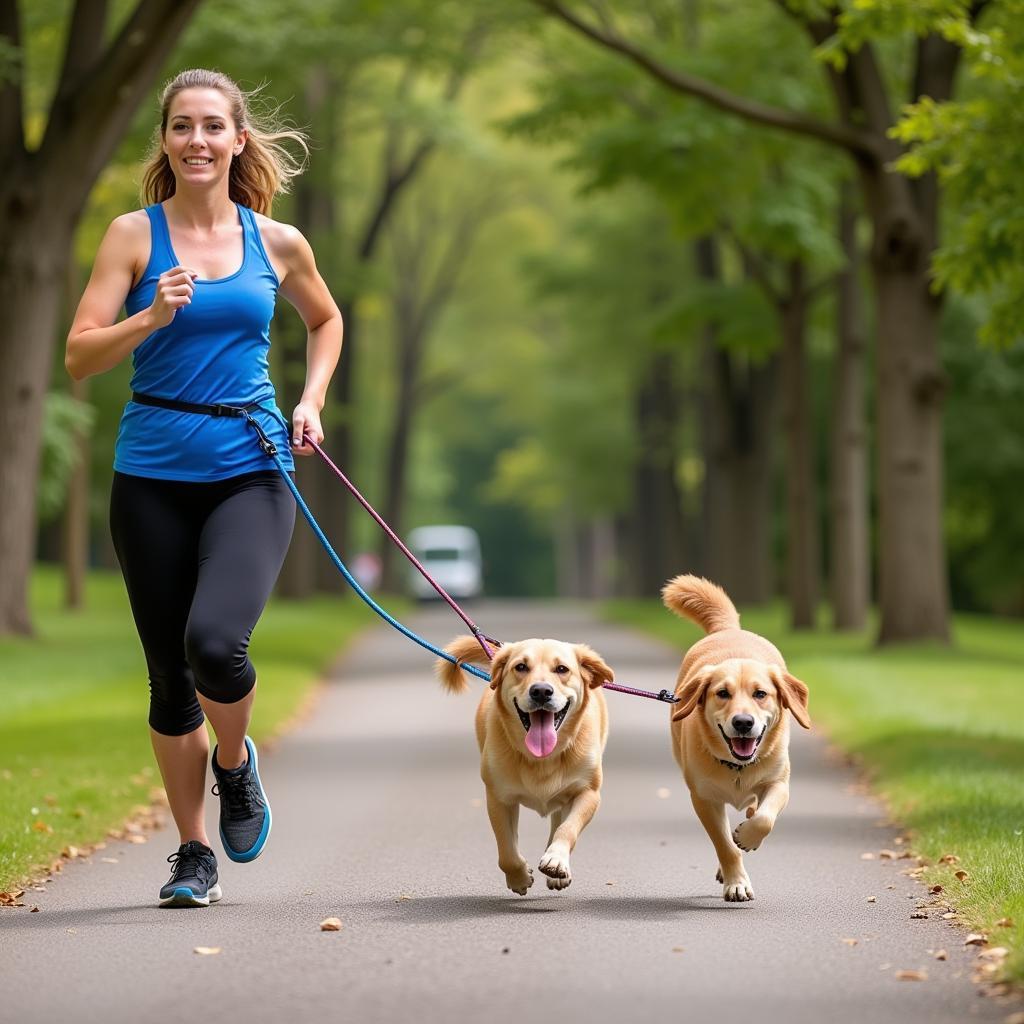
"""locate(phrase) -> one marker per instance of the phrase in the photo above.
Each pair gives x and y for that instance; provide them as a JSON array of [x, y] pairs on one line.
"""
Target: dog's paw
[[520, 879], [556, 867], [738, 890], [750, 834]]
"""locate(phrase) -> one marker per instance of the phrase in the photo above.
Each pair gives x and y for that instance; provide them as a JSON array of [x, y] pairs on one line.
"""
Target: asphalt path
[[379, 821]]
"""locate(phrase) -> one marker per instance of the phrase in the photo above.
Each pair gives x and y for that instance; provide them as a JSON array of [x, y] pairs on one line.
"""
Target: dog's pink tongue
[[541, 736], [744, 747]]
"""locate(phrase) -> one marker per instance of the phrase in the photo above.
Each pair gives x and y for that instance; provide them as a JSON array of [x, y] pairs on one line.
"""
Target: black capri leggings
[[199, 561]]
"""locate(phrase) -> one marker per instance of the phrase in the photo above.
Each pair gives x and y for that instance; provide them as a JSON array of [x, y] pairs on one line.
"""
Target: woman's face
[[200, 138]]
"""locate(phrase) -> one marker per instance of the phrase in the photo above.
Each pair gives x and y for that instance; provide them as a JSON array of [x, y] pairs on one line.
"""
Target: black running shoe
[[193, 881], [244, 810]]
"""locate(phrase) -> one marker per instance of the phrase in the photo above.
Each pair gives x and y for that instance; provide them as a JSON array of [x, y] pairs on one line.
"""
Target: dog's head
[[542, 687], [741, 701]]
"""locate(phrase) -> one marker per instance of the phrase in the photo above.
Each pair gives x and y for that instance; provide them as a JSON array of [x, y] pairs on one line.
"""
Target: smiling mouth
[[198, 161], [743, 748], [541, 728]]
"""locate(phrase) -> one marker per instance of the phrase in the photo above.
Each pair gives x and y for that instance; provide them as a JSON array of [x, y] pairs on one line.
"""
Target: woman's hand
[[174, 289], [306, 420]]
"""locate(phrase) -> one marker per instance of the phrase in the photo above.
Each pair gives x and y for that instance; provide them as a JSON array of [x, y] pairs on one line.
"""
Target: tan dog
[[730, 732], [541, 727]]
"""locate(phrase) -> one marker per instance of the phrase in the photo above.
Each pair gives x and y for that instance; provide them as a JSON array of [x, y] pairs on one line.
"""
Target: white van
[[451, 554]]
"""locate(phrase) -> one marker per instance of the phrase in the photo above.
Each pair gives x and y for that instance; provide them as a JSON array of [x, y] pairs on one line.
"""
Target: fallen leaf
[[70, 852], [41, 826], [850, 942], [919, 915], [1004, 922], [949, 858], [609, 883], [867, 856], [330, 924], [34, 910], [961, 876], [888, 854], [206, 950], [10, 899], [948, 916], [872, 899], [936, 889], [941, 954], [976, 939], [911, 975]]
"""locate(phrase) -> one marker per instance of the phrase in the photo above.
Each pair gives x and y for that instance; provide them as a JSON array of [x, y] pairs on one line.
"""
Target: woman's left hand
[[305, 420]]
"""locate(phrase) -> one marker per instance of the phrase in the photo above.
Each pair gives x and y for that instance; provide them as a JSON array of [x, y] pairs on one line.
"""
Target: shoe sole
[[257, 848], [183, 896]]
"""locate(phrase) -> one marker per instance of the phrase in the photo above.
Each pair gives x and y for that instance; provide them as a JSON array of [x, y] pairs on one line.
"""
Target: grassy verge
[[75, 758], [940, 732]]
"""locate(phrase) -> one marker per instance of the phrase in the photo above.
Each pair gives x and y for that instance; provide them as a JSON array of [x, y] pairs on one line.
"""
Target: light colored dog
[[541, 727], [730, 731]]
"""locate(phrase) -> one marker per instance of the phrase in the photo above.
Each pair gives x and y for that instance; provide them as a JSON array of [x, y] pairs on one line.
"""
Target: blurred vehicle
[[451, 554]]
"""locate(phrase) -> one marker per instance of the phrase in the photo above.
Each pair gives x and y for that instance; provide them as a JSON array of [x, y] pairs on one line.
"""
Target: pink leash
[[482, 638]]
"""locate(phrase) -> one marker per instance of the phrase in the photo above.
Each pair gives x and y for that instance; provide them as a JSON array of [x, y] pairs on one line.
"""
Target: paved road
[[378, 820]]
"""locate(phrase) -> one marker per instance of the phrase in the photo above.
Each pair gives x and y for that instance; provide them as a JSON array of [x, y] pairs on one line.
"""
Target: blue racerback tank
[[213, 351]]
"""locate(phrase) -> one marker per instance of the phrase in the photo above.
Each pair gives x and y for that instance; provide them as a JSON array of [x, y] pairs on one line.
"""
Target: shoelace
[[241, 794], [189, 863]]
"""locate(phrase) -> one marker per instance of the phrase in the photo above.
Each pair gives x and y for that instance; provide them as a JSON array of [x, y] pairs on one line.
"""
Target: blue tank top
[[213, 351]]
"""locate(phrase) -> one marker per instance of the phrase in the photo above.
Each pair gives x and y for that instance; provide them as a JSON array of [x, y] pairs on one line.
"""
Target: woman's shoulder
[[282, 239], [130, 227]]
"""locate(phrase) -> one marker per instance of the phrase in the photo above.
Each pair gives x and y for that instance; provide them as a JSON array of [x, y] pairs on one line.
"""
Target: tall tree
[[42, 192], [913, 589]]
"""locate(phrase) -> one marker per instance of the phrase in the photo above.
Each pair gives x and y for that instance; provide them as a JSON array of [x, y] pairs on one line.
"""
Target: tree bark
[[803, 555], [41, 198], [849, 534]]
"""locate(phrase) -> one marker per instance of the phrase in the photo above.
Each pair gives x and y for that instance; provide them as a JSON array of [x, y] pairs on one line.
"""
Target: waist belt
[[201, 409]]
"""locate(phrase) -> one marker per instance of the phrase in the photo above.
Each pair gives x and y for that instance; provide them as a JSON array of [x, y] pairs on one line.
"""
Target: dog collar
[[737, 767]]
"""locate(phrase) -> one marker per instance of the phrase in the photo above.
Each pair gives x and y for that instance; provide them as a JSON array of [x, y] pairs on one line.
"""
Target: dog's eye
[[723, 693], [520, 666], [760, 694], [562, 670]]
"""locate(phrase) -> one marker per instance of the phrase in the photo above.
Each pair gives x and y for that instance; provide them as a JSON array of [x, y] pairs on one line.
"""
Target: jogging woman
[[200, 517]]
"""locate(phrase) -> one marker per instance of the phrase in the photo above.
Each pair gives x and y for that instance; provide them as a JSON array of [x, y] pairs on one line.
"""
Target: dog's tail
[[462, 648], [702, 602]]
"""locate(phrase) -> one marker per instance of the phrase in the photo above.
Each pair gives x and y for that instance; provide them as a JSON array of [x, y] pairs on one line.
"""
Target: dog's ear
[[694, 692], [593, 667], [498, 665], [792, 695]]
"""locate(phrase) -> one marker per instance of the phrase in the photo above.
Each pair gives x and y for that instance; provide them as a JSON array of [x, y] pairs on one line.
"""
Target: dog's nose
[[743, 723], [542, 692]]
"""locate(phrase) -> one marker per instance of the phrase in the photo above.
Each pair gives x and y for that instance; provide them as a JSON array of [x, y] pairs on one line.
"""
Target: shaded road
[[378, 820]]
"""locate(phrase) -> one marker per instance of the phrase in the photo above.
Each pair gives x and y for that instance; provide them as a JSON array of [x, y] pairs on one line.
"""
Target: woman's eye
[[760, 694], [723, 693], [562, 670]]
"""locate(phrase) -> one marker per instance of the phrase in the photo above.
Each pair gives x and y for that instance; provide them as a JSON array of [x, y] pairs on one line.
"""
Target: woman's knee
[[219, 662]]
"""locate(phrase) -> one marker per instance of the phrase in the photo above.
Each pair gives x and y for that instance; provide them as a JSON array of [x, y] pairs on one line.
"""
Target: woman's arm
[[305, 289], [97, 343]]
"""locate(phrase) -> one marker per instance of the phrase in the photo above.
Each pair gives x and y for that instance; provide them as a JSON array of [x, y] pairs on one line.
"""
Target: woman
[[201, 518]]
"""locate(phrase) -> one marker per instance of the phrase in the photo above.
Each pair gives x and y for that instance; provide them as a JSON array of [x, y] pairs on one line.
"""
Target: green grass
[[74, 742], [940, 732]]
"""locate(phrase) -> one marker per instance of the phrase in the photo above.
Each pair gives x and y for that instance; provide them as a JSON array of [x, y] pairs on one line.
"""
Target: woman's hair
[[263, 169]]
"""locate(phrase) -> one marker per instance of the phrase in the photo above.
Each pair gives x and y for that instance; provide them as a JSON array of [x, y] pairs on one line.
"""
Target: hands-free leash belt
[[235, 411]]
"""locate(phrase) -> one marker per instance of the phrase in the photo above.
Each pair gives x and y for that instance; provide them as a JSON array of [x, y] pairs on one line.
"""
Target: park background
[[631, 287]]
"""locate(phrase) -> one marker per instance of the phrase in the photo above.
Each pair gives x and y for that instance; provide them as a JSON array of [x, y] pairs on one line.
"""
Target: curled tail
[[463, 648], [700, 601]]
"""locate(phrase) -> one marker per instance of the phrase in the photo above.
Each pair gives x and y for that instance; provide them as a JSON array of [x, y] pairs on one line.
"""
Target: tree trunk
[[32, 274], [656, 526], [849, 535], [739, 424], [803, 557], [914, 594], [76, 514]]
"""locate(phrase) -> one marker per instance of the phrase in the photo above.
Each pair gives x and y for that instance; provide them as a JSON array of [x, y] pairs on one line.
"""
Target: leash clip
[[226, 410], [669, 698]]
